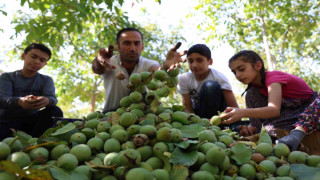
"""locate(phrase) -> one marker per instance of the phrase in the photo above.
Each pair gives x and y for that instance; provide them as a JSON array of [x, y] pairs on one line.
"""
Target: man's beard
[[131, 59]]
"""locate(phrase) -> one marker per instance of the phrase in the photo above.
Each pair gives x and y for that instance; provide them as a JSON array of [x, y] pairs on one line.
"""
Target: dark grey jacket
[[14, 85]]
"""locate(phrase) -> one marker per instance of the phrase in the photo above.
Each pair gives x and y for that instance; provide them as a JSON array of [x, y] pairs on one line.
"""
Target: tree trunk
[[93, 97], [94, 94], [270, 58]]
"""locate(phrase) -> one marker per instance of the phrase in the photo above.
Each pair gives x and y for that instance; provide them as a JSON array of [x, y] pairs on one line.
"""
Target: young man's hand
[[32, 102], [41, 102], [104, 56], [174, 58]]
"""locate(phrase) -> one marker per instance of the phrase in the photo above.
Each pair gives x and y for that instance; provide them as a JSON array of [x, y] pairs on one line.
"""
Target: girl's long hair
[[251, 57]]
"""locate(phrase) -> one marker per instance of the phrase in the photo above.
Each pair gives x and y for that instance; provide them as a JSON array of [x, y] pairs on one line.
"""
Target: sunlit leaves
[[3, 12], [292, 30]]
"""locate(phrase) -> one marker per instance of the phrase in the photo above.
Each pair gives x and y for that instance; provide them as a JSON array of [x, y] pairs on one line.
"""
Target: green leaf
[[191, 131], [241, 153], [183, 158], [264, 136], [78, 175], [39, 174], [31, 173], [165, 159], [65, 129], [79, 28], [179, 172], [11, 167], [60, 174], [121, 2], [23, 137], [171, 146], [109, 4], [22, 2], [98, 2], [118, 11], [302, 171], [47, 6], [66, 136], [182, 144], [19, 28], [3, 12], [47, 133]]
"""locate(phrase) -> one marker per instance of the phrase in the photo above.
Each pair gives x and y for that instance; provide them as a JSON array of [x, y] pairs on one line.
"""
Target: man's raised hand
[[174, 58], [104, 56]]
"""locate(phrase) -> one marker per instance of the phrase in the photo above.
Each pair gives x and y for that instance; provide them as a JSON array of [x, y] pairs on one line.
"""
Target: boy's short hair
[[201, 49], [41, 47]]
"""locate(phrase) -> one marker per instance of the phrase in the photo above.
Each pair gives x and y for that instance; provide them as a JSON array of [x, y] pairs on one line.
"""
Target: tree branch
[[75, 47], [284, 40]]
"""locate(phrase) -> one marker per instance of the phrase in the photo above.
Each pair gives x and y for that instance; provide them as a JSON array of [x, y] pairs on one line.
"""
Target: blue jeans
[[211, 100], [34, 125]]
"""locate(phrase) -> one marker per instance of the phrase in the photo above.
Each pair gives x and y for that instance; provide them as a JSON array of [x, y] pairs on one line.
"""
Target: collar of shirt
[[123, 68], [120, 62]]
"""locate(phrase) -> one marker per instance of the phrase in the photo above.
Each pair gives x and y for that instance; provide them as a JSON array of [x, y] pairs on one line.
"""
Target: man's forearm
[[7, 100], [187, 103], [9, 103], [189, 109], [52, 101]]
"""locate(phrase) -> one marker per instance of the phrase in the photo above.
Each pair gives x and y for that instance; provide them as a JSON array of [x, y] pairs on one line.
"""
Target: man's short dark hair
[[41, 47], [201, 49], [126, 30]]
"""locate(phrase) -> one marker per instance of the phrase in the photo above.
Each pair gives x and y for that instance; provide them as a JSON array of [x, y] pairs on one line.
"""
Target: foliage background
[[285, 33]]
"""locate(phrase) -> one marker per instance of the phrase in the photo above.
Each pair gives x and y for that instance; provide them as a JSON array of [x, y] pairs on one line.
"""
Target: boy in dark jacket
[[27, 98]]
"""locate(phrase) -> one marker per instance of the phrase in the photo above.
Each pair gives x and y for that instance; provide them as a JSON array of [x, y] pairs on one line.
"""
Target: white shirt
[[188, 84], [116, 89]]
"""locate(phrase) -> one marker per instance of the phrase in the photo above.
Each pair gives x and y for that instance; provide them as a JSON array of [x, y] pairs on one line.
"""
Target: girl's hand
[[247, 130], [231, 115]]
